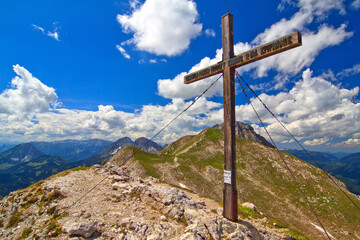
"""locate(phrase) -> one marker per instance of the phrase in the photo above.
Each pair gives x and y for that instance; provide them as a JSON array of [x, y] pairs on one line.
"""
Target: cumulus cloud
[[27, 96], [107, 123], [162, 27], [29, 111], [286, 64], [314, 110], [293, 61], [123, 51]]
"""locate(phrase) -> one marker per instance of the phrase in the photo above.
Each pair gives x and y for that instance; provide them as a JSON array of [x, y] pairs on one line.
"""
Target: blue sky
[[110, 69]]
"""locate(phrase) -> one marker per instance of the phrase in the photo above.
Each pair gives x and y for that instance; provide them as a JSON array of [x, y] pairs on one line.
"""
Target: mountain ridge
[[113, 148], [41, 165], [131, 180], [197, 163], [23, 165], [72, 150], [245, 131]]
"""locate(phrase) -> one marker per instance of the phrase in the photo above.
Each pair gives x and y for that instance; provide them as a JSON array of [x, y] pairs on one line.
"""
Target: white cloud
[[123, 51], [210, 33], [37, 28], [349, 71], [329, 75], [286, 64], [320, 8], [290, 62], [352, 141], [316, 142], [27, 96], [107, 123], [29, 112], [293, 61], [54, 34], [313, 109], [162, 27], [356, 4], [175, 88], [134, 4], [152, 61]]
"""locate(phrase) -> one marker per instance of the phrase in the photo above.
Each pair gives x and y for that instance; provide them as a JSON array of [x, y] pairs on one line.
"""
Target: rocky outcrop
[[121, 206], [247, 132]]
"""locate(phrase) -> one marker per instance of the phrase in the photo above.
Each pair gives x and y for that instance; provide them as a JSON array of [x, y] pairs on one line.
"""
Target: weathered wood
[[204, 73], [230, 193], [266, 50]]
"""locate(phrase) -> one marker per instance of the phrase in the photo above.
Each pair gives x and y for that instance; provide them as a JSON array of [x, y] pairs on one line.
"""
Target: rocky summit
[[110, 202], [247, 132]]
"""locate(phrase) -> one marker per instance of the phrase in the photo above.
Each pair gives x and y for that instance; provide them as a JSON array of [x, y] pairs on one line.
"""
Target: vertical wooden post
[[230, 210], [227, 67]]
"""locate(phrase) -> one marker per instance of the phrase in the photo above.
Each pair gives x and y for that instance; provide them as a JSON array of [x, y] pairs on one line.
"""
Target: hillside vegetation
[[262, 179]]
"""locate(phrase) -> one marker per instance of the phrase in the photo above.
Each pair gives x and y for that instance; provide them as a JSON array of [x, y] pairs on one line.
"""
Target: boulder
[[85, 229], [249, 205]]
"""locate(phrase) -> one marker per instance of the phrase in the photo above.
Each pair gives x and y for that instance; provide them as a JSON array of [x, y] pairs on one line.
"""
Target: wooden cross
[[227, 66]]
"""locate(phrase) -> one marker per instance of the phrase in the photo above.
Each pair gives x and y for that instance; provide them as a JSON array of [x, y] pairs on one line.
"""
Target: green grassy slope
[[262, 178]]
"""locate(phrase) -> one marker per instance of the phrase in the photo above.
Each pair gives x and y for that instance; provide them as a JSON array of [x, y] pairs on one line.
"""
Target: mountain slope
[[150, 147], [352, 158], [346, 169], [5, 147], [20, 153], [109, 151], [320, 157], [24, 165], [262, 178]]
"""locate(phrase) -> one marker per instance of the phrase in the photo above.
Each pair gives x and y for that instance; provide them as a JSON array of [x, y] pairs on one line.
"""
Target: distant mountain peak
[[119, 144], [245, 131], [21, 153]]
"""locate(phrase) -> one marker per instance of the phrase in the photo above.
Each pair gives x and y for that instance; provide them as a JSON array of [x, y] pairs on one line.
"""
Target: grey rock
[[247, 132], [117, 186], [85, 229], [249, 205]]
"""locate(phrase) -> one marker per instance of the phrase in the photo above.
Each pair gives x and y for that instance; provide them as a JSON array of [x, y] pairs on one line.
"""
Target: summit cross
[[227, 66]]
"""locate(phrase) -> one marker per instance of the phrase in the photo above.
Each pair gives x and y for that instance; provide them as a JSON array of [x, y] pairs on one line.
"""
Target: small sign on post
[[227, 176]]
